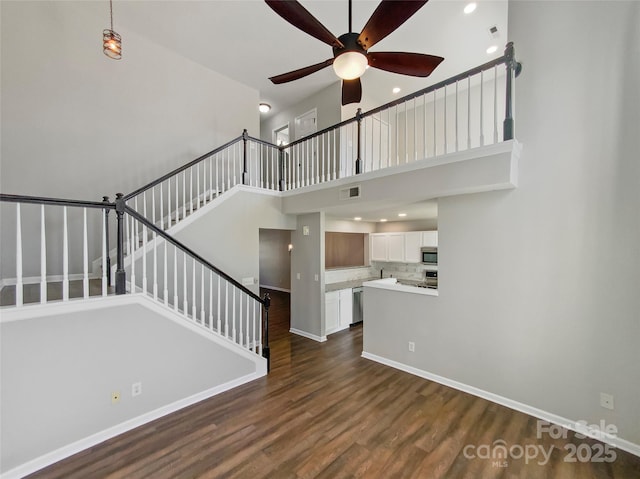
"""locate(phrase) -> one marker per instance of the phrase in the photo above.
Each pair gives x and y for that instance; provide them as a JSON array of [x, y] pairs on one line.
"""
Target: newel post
[[121, 275], [513, 70], [245, 172], [359, 142], [266, 352], [105, 199]]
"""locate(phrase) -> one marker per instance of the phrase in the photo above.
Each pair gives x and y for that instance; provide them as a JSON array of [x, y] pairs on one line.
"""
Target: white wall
[[76, 124], [59, 372], [227, 234], [275, 259], [538, 286]]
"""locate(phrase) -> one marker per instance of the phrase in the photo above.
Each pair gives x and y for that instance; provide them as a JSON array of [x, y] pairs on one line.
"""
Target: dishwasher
[[357, 306]]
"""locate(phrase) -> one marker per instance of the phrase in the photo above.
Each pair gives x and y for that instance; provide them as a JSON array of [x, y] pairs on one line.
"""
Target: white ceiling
[[375, 211], [247, 41]]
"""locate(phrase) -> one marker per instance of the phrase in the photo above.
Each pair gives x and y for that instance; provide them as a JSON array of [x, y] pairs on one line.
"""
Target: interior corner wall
[[538, 285], [307, 260], [275, 259], [326, 101], [78, 124]]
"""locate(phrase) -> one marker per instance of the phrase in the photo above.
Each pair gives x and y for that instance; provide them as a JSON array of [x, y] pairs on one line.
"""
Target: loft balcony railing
[[469, 110]]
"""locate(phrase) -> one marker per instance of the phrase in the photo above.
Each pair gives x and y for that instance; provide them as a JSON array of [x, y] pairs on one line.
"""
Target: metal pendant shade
[[111, 41]]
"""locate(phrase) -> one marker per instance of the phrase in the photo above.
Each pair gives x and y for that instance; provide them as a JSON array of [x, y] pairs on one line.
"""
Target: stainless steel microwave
[[429, 255]]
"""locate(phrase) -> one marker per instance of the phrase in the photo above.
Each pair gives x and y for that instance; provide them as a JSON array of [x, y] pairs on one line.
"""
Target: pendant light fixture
[[111, 41]]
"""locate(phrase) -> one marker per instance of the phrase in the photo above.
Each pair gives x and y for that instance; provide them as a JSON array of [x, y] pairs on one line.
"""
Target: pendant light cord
[[111, 12]]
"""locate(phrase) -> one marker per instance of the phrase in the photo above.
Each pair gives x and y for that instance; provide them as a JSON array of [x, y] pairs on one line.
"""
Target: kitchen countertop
[[392, 284], [356, 283]]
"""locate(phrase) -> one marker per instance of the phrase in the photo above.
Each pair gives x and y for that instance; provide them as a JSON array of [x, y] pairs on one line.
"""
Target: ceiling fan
[[351, 54]]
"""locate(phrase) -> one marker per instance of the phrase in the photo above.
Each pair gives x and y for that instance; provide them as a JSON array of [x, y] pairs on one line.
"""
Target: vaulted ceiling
[[245, 40]]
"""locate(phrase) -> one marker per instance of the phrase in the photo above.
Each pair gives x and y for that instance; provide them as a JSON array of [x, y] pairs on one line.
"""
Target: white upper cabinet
[[430, 238], [395, 247], [379, 247], [401, 247], [412, 244]]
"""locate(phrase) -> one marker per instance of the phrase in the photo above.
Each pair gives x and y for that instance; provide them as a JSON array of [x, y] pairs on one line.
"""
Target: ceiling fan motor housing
[[350, 42]]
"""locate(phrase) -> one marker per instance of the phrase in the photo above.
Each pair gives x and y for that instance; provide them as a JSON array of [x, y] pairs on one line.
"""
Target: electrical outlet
[[297, 275], [115, 397], [136, 389], [412, 346], [606, 400]]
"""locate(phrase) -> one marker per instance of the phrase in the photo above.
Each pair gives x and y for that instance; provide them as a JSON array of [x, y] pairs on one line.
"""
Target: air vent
[[350, 193]]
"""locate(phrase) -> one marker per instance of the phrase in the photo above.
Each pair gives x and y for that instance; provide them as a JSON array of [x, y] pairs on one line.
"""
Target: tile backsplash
[[349, 274], [408, 271]]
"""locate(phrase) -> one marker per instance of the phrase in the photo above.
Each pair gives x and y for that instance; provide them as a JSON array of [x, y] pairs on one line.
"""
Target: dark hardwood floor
[[324, 412]]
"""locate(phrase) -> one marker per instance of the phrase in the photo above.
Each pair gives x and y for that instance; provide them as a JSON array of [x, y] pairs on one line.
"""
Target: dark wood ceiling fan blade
[[351, 91], [414, 64], [299, 17], [301, 73], [388, 16]]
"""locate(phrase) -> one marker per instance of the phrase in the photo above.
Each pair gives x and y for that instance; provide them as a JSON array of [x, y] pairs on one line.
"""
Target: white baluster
[[226, 309], [445, 119], [144, 251], [155, 266], [468, 112], [233, 316], [165, 292], [85, 256], [481, 108], [137, 236], [424, 123], [169, 210], [204, 181], [198, 186], [247, 339], [185, 303], [65, 256], [415, 137], [435, 142], [153, 205], [397, 128], [217, 177], [43, 258], [456, 118], [175, 279], [211, 300], [184, 194], [161, 208], [19, 291], [235, 160], [259, 321], [240, 336], [211, 162], [495, 104], [191, 190], [105, 253], [202, 294], [406, 133], [194, 306], [133, 254], [218, 307], [253, 321], [335, 156]]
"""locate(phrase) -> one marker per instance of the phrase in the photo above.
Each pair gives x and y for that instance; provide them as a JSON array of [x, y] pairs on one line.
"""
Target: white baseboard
[[275, 288], [615, 441], [304, 334], [75, 447]]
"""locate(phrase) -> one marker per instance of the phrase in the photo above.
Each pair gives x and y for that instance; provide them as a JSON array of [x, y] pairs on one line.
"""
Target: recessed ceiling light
[[470, 7], [382, 220], [492, 49], [357, 218], [264, 107], [402, 215], [396, 90]]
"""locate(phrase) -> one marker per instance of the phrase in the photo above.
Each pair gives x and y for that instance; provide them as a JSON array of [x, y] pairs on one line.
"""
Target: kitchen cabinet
[[430, 239], [395, 247], [379, 247], [338, 310], [401, 247]]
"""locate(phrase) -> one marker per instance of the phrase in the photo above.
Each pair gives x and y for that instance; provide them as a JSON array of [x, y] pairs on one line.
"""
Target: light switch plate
[[305, 230]]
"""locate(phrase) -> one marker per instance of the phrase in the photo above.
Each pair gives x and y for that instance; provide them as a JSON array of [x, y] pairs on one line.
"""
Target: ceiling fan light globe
[[350, 65]]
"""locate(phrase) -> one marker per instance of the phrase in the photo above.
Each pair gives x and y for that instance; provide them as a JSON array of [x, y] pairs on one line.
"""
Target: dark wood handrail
[[42, 200], [182, 168], [190, 252]]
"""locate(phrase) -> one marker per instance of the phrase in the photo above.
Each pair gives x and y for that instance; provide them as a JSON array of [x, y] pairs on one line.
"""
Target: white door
[[308, 168]]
